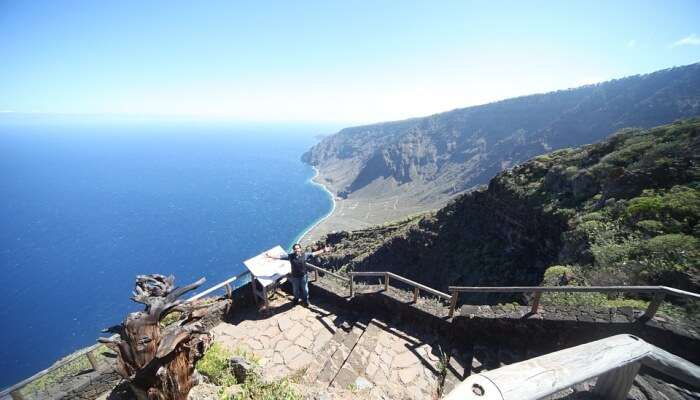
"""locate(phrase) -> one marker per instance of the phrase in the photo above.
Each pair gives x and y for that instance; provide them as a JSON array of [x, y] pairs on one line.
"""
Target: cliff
[[622, 211], [426, 161]]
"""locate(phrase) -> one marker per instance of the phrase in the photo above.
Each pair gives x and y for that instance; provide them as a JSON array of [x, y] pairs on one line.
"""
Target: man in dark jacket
[[299, 277]]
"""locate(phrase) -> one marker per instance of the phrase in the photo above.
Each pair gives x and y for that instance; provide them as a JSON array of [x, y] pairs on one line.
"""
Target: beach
[[310, 234], [356, 212]]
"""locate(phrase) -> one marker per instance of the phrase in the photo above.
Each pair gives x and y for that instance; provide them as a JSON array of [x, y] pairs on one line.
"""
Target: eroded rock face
[[433, 158]]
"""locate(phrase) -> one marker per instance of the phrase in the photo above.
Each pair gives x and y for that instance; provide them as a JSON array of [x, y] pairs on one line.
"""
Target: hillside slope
[[423, 162], [622, 211]]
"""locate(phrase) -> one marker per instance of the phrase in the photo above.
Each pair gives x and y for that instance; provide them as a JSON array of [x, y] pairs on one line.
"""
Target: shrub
[[593, 300], [651, 227], [680, 204], [255, 388], [672, 252], [215, 365], [554, 273], [593, 216]]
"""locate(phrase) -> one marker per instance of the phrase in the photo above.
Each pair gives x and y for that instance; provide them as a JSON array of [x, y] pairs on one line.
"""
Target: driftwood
[[159, 361]]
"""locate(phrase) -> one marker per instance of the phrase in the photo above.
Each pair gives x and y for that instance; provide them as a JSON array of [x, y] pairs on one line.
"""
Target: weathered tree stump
[[159, 361]]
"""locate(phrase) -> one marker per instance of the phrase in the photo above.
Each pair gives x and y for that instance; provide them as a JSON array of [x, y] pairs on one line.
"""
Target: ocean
[[85, 207]]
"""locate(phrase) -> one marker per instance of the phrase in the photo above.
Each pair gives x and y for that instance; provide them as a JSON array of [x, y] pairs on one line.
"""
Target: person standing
[[298, 276]]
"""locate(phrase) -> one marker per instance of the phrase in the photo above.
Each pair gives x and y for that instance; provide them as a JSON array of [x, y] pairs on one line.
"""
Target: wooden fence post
[[351, 286], [415, 294], [536, 303], [615, 384], [386, 282], [654, 305], [315, 275], [453, 302], [93, 361], [17, 395]]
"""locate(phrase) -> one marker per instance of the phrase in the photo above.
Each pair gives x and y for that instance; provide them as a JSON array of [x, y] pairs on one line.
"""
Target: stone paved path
[[285, 341], [335, 352]]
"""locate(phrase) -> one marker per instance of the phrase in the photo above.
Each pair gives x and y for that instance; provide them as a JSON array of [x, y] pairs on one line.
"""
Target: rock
[[361, 383], [585, 185], [240, 368], [406, 359], [231, 391], [204, 391], [408, 374]]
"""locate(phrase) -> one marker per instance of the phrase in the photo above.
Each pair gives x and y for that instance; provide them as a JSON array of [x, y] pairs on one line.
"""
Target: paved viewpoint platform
[[336, 351]]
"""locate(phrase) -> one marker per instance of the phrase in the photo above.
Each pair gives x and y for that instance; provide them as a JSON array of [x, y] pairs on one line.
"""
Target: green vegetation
[[632, 207], [215, 366], [254, 388]]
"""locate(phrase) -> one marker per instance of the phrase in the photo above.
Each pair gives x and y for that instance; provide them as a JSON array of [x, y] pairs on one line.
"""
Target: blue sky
[[342, 61]]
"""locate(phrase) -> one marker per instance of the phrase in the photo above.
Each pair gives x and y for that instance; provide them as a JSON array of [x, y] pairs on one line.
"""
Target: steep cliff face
[[625, 210], [428, 160]]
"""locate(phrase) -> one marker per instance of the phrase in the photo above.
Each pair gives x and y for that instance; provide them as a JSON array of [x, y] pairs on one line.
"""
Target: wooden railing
[[614, 360], [658, 292], [318, 270], [388, 276]]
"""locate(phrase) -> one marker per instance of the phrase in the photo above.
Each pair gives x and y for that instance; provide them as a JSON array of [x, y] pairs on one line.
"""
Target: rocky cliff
[[425, 161], [622, 211]]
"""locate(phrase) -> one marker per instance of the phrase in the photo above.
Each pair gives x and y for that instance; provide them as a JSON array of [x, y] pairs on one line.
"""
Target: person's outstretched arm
[[274, 257], [323, 250]]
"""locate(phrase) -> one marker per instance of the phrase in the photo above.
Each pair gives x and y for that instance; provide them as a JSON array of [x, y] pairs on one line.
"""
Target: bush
[[553, 274], [678, 206], [672, 252], [594, 300], [651, 227], [255, 388], [215, 365]]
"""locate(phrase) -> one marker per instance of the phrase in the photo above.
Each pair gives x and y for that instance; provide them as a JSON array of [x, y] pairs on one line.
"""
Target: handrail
[[217, 286], [420, 286], [523, 289], [317, 269], [417, 287], [614, 360], [659, 293]]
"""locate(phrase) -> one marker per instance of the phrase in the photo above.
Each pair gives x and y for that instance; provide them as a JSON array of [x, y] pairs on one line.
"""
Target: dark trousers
[[300, 287]]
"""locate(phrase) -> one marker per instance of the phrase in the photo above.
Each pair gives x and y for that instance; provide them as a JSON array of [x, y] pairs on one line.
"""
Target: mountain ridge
[[428, 160], [625, 210]]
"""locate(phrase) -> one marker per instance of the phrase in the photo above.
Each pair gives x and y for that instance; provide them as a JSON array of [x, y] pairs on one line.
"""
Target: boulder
[[240, 368]]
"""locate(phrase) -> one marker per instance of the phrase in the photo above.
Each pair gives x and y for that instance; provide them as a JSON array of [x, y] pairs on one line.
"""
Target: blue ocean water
[[87, 207]]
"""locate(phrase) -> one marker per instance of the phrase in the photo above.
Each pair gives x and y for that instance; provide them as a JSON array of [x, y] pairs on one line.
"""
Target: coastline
[[300, 238]]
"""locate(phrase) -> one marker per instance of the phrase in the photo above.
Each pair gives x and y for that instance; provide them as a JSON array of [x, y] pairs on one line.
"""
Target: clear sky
[[345, 61]]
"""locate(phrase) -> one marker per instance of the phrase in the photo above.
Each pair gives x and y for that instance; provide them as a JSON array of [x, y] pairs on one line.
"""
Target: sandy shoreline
[[353, 213], [308, 231]]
